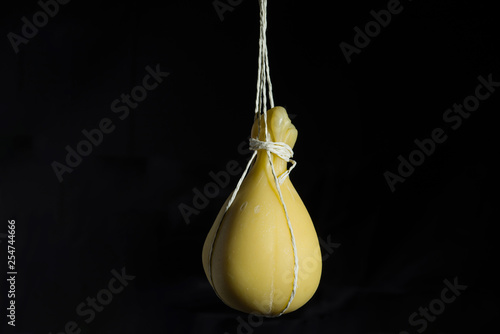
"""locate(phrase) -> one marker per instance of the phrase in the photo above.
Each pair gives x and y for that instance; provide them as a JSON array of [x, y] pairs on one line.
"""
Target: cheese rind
[[252, 260]]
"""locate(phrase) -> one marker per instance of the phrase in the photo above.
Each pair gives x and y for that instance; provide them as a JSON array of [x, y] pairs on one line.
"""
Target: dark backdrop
[[386, 253]]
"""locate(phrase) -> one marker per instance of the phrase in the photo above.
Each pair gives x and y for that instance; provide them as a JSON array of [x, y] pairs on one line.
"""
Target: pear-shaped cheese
[[251, 254]]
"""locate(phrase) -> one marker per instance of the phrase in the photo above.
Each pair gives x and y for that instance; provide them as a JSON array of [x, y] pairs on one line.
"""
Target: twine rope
[[282, 150]]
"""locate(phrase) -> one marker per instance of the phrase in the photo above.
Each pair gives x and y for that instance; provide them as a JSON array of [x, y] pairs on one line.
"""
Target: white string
[[283, 150]]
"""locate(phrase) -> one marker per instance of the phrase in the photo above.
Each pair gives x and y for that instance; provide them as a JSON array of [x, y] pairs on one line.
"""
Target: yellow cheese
[[252, 258]]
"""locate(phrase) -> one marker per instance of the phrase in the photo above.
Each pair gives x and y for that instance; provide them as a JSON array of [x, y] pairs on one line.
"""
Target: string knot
[[282, 150]]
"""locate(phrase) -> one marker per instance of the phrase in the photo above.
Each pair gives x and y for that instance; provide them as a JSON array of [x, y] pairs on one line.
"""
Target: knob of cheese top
[[248, 254]]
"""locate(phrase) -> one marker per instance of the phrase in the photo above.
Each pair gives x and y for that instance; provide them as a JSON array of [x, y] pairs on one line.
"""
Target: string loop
[[280, 149]]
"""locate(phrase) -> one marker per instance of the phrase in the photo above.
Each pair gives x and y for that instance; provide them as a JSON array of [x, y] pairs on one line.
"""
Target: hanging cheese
[[249, 255]]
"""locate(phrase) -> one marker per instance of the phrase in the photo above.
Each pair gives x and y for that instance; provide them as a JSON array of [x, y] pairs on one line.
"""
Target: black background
[[120, 206]]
